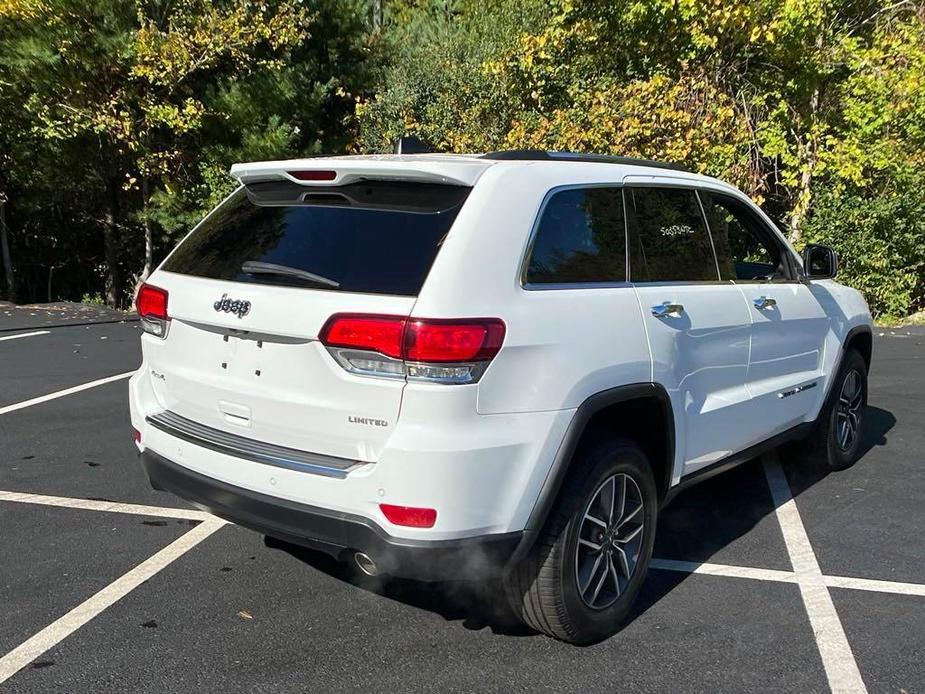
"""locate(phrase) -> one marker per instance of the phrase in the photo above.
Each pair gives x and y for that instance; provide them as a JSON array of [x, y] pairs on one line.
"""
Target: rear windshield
[[374, 237]]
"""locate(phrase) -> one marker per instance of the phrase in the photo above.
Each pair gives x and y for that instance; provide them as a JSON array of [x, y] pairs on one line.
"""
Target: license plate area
[[243, 355]]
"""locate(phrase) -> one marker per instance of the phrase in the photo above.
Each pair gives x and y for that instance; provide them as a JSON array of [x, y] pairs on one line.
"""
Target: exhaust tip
[[367, 565]]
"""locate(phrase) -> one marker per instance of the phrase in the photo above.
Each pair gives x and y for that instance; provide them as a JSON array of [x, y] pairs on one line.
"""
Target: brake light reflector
[[409, 516], [152, 309], [313, 175]]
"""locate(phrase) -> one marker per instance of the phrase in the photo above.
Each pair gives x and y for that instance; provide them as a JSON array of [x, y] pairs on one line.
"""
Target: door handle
[[763, 302], [666, 308]]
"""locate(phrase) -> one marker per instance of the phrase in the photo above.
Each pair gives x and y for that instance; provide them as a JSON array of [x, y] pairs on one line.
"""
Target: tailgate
[[250, 289]]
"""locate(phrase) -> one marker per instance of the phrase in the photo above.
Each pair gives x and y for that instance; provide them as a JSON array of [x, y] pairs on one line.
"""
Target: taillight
[[453, 340], [409, 516], [381, 334], [440, 351], [152, 309]]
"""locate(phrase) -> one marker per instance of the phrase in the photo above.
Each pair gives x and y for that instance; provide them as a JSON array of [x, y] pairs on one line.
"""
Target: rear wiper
[[253, 267]]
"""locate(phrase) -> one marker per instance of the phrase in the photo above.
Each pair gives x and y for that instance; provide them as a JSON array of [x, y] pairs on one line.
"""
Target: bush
[[880, 241], [93, 299]]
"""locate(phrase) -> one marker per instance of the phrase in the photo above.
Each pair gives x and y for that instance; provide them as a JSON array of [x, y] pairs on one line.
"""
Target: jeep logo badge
[[239, 308]]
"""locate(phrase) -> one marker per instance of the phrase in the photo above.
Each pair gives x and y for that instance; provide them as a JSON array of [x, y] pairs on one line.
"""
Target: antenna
[[410, 144]]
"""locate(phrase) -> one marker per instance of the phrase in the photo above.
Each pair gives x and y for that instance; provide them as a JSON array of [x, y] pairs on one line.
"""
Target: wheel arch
[[616, 411], [860, 338]]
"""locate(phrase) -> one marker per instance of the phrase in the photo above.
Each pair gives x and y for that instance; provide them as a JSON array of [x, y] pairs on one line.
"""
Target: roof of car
[[462, 169]]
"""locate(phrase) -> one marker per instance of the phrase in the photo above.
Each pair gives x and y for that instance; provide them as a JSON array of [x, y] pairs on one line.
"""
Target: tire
[[545, 589], [846, 403]]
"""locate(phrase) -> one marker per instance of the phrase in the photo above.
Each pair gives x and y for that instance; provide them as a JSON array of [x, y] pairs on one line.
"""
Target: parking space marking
[[690, 567], [756, 574], [107, 506], [841, 668], [61, 628], [874, 586], [32, 334], [62, 393]]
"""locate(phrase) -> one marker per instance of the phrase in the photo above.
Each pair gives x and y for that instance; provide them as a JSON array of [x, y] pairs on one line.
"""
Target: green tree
[[789, 100], [148, 102]]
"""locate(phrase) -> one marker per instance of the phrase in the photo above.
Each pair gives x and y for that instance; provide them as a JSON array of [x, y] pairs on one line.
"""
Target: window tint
[[668, 237], [744, 250], [581, 237], [375, 237]]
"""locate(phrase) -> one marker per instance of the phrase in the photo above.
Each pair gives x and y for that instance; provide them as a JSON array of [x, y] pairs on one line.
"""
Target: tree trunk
[[5, 250], [810, 156], [149, 242], [113, 282], [804, 197]]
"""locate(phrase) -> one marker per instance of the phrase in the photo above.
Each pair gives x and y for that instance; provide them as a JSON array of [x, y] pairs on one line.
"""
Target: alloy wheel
[[610, 539], [848, 411]]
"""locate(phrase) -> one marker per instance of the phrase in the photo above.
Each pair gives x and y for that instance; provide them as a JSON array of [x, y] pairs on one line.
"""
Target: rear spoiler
[[338, 171]]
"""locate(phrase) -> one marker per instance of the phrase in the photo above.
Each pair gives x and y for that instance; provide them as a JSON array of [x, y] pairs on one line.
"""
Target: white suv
[[460, 367]]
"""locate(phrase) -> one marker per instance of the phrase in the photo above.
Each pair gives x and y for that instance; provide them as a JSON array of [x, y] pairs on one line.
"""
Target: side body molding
[[583, 415]]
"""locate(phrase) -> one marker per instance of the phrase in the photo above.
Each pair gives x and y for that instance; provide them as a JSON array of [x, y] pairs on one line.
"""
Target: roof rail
[[544, 155]]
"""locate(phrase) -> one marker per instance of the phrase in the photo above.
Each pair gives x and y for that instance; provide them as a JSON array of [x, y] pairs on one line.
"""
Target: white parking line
[[874, 586], [841, 669], [107, 506], [757, 574], [60, 629], [62, 393], [17, 336], [690, 567], [838, 660]]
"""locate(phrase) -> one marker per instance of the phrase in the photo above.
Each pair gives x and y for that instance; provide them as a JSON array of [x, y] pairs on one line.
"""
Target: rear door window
[[669, 241], [580, 238], [374, 237]]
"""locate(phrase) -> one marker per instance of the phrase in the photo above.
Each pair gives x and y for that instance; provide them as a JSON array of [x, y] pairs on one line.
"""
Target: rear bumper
[[338, 534]]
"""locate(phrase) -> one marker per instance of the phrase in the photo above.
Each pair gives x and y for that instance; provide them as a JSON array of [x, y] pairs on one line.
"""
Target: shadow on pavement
[[475, 605], [699, 523]]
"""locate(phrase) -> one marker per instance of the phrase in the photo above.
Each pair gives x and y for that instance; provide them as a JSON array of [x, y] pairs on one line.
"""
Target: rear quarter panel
[[561, 345]]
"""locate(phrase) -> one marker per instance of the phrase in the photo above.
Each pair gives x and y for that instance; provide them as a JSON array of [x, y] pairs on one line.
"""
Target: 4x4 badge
[[236, 306]]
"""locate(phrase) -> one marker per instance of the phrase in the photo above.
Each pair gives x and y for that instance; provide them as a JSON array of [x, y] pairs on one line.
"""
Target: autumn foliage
[[815, 107]]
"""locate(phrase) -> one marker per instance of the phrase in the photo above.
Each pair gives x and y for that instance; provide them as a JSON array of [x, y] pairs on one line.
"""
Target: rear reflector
[[313, 175], [409, 516], [136, 435], [152, 309]]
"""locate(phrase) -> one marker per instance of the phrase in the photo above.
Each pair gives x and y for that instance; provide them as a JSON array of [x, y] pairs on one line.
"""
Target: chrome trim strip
[[249, 449], [798, 389]]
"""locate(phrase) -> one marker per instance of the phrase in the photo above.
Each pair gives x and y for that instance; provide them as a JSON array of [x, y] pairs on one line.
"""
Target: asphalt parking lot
[[772, 577]]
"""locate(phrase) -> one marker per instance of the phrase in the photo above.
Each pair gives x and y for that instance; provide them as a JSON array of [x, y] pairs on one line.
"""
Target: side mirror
[[819, 262]]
